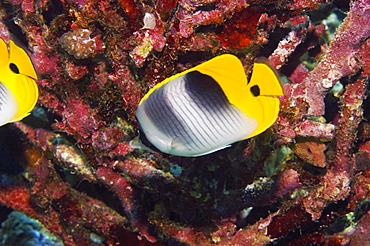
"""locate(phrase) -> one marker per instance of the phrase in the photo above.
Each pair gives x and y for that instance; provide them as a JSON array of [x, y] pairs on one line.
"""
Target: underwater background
[[69, 177]]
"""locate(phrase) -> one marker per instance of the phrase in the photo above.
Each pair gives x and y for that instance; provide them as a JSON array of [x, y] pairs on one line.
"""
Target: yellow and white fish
[[208, 107], [18, 89]]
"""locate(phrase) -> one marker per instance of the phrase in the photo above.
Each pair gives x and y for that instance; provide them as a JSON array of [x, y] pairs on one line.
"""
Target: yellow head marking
[[265, 106], [226, 69], [20, 58], [18, 76]]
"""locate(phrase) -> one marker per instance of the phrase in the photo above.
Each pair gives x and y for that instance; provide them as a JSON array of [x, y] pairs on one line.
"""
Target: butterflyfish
[[208, 107], [18, 89]]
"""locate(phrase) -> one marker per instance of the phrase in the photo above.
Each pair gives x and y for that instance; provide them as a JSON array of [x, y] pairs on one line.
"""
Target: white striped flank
[[8, 105], [191, 116]]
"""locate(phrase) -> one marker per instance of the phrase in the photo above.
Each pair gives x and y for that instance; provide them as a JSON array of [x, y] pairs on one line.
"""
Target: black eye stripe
[[14, 68], [255, 90]]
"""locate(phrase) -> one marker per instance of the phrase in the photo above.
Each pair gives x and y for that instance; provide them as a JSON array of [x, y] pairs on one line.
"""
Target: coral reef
[[304, 181], [18, 229]]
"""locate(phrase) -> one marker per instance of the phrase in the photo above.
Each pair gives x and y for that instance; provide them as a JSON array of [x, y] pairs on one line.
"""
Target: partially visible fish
[[18, 89]]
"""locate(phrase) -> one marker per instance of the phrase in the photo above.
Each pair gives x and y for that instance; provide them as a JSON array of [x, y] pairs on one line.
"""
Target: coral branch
[[339, 61]]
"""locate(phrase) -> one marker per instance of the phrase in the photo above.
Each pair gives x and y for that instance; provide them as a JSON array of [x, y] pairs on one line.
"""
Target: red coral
[[288, 182], [293, 218], [133, 12], [240, 31]]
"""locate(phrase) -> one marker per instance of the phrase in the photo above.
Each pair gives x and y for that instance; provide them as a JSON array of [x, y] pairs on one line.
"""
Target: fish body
[[18, 89], [207, 108]]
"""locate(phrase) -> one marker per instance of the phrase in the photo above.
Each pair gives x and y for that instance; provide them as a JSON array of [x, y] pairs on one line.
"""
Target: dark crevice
[[95, 191], [8, 20], [54, 9]]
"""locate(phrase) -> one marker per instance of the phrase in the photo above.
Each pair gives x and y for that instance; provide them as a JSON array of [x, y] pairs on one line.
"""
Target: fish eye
[[14, 68], [255, 90]]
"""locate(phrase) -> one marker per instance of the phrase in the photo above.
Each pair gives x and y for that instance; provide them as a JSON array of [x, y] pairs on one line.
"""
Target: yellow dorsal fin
[[226, 70], [19, 57]]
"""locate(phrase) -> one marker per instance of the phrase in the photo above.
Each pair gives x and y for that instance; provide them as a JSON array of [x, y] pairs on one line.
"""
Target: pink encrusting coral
[[304, 181]]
